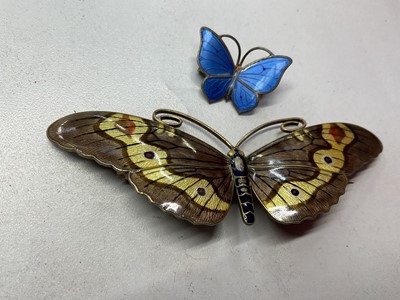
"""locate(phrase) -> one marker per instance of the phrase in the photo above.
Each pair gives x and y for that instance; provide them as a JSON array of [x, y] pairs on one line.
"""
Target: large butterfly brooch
[[241, 84], [295, 177]]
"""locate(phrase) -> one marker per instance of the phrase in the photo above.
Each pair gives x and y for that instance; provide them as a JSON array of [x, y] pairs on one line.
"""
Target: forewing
[[302, 174], [178, 172], [214, 58], [263, 76]]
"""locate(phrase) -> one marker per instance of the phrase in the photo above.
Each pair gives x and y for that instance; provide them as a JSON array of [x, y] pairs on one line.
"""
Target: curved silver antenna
[[285, 123], [254, 49], [237, 44], [174, 118]]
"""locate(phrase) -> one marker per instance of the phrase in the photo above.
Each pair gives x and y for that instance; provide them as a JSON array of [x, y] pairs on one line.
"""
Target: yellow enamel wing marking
[[153, 168], [299, 136], [136, 148], [328, 161]]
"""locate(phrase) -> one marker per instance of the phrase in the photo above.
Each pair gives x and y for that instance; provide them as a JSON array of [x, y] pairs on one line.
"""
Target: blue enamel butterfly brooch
[[241, 84]]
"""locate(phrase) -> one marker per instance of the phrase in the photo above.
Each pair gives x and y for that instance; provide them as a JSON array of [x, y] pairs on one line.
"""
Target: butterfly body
[[240, 175], [295, 178], [233, 81]]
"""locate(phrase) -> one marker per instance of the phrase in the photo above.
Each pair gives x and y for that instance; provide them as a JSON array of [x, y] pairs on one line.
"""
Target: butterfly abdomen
[[242, 185], [229, 92]]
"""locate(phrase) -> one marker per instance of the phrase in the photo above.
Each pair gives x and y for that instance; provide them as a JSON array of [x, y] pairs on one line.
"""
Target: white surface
[[72, 229]]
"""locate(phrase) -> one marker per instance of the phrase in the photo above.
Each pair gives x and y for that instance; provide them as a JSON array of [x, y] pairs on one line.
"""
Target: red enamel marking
[[125, 124], [337, 133], [129, 125]]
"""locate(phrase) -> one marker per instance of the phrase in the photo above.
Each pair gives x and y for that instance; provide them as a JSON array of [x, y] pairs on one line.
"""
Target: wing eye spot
[[295, 192], [201, 191], [328, 160], [149, 154]]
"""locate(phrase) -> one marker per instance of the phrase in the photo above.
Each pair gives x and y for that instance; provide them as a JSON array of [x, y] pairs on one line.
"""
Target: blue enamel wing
[[242, 84]]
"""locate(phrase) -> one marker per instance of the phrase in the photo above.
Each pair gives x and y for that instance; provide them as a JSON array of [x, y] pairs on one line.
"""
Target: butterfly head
[[235, 152], [238, 68], [237, 161]]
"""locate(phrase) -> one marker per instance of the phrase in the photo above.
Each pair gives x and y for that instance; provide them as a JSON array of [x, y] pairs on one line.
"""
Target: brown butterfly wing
[[176, 171], [302, 174]]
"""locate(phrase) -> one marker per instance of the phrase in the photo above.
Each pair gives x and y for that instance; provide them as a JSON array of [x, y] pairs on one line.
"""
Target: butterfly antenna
[[287, 125], [174, 118], [254, 49], [237, 44]]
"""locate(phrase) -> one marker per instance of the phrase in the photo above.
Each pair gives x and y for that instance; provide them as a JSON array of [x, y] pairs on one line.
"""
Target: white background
[[72, 229]]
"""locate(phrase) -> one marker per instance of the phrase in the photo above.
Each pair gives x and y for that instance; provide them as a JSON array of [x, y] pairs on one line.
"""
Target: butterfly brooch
[[241, 84], [295, 177]]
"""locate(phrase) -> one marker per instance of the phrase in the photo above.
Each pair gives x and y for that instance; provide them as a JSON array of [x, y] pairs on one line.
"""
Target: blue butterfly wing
[[263, 76], [244, 98], [215, 87], [214, 58]]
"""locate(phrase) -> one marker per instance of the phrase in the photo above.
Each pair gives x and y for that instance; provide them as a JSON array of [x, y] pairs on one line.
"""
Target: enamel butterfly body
[[295, 177], [242, 84]]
